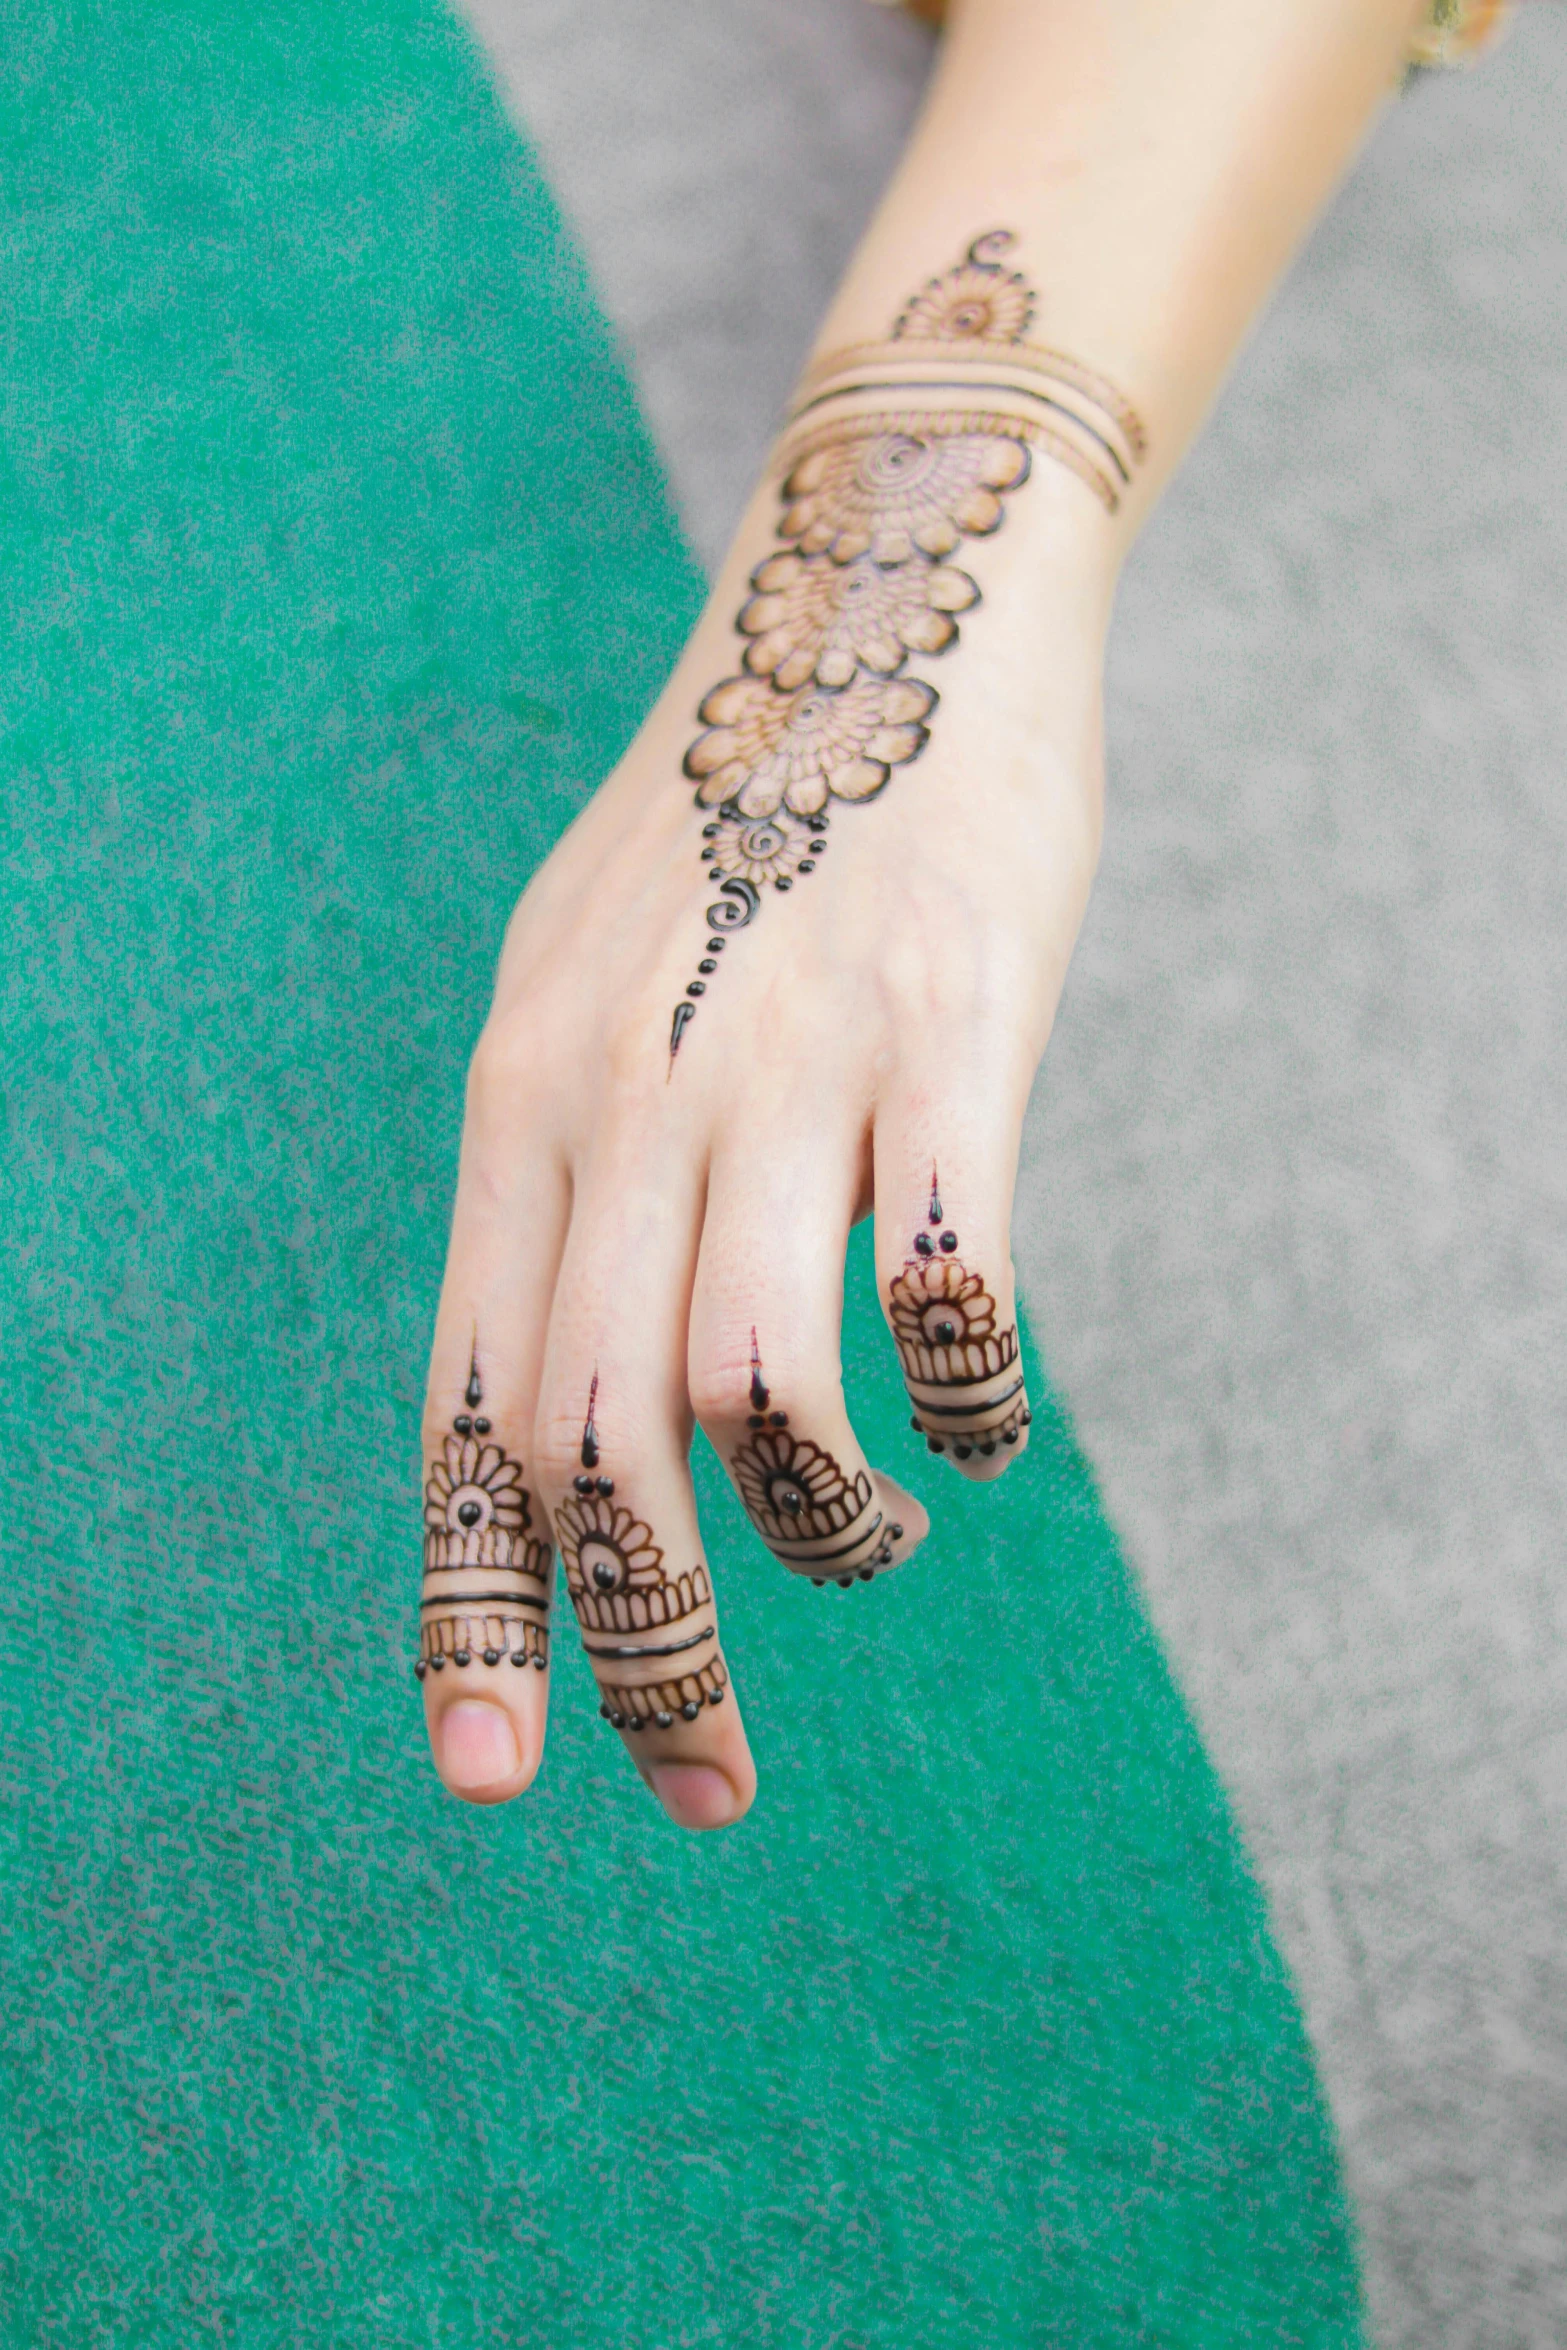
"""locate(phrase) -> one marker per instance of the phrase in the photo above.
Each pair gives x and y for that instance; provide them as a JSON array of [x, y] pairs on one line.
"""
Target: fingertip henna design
[[812, 1514], [631, 1608], [895, 453], [486, 1587], [964, 1376]]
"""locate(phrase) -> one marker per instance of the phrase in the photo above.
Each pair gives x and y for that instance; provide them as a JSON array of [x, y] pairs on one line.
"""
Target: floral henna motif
[[811, 621], [764, 750], [963, 1375], [891, 495], [622, 1590], [807, 1510], [895, 454], [486, 1573], [978, 302]]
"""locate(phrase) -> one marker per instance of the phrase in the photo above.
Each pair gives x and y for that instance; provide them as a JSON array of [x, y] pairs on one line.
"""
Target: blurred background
[[1293, 1214]]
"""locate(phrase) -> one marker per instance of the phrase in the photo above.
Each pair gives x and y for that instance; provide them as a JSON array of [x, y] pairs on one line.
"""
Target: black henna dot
[[756, 1421], [818, 1580], [918, 1425], [715, 946], [807, 865], [779, 1419], [1025, 1419], [437, 1664], [469, 1513], [617, 1721], [582, 1484], [519, 1658], [463, 1425], [606, 1486], [896, 1532], [988, 1447], [695, 987], [492, 1656], [706, 853], [709, 831], [635, 1722], [690, 1710], [949, 1241], [867, 1574], [604, 1710], [844, 1582], [923, 1244], [934, 1444], [540, 1663], [715, 1697], [965, 1452], [420, 1668], [462, 1656], [945, 1333], [783, 882], [707, 964], [664, 1721]]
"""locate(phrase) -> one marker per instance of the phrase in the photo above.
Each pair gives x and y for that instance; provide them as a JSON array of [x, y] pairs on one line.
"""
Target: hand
[[722, 1031], [738, 1005]]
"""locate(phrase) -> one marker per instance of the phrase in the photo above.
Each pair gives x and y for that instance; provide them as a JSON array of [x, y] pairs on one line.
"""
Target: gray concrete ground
[[1293, 1218]]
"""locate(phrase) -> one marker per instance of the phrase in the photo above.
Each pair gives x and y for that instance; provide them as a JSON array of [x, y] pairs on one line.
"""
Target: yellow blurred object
[[1453, 30]]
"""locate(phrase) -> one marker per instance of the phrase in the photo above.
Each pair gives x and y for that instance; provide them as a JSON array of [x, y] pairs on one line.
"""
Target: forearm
[[1158, 161]]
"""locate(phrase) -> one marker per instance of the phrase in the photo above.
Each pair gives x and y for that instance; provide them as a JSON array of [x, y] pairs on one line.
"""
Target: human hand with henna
[[798, 959]]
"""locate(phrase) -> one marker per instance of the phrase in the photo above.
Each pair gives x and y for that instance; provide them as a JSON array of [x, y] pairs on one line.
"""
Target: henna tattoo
[[619, 1584], [486, 1572], [894, 454], [810, 1513], [964, 1376]]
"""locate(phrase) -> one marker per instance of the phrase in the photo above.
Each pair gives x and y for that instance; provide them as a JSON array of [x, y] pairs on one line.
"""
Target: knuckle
[[501, 1074]]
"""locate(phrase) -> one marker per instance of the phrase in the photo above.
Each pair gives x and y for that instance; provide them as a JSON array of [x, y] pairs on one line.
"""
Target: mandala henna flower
[[765, 750], [969, 304], [760, 849], [476, 1509], [899, 494], [810, 617], [944, 1323], [604, 1548], [794, 1491], [615, 1570]]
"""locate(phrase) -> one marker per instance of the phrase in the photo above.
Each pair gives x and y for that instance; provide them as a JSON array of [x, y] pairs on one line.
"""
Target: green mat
[[338, 569]]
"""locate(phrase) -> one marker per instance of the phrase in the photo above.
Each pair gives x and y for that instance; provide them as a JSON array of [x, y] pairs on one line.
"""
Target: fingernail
[[477, 1746], [693, 1794]]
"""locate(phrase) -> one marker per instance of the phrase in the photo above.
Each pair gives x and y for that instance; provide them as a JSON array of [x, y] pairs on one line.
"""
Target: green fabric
[[338, 568]]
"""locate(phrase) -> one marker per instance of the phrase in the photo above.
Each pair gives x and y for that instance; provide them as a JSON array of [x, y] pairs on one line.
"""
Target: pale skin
[[633, 1220]]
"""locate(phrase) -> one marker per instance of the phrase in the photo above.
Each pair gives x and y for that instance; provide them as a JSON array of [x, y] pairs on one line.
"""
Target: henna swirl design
[[964, 1376], [895, 454], [631, 1609], [486, 1572]]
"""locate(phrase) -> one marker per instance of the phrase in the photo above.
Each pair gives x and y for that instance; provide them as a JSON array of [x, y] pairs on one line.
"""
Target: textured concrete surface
[[1294, 1209]]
